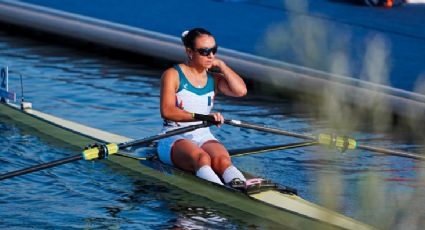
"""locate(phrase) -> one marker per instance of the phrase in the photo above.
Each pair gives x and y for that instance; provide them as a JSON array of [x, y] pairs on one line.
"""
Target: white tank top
[[192, 99]]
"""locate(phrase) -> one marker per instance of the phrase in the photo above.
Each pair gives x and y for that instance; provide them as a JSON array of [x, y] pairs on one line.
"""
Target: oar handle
[[202, 117], [262, 128]]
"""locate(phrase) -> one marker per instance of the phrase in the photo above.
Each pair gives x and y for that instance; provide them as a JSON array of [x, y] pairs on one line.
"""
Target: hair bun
[[184, 34]]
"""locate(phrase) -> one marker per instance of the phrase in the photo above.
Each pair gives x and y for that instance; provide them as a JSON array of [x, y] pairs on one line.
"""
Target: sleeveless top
[[192, 99]]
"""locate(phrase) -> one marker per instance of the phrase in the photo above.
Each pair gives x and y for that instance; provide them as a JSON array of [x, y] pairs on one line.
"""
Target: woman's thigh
[[188, 156]]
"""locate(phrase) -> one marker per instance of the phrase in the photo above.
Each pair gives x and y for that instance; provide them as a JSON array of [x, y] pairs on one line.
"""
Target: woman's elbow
[[241, 92], [165, 114]]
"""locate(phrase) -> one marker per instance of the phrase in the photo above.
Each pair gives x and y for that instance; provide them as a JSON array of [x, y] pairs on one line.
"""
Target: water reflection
[[122, 97]]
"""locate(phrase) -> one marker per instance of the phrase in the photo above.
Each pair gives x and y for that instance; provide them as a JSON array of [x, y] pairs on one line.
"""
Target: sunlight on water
[[112, 95], [121, 96]]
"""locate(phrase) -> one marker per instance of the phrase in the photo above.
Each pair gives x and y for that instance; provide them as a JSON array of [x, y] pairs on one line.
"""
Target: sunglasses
[[206, 51]]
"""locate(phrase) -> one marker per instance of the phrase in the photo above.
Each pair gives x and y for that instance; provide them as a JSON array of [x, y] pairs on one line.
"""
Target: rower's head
[[200, 46]]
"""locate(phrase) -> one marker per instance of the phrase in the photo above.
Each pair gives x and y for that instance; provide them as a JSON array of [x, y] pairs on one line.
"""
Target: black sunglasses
[[206, 51]]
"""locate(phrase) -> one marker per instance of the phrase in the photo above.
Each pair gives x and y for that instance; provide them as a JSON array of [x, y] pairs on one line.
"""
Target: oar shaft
[[94, 153], [391, 152], [268, 129], [270, 148], [209, 118], [162, 136], [40, 167], [310, 137]]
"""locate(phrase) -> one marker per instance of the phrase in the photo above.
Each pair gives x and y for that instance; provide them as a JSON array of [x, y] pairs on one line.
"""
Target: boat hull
[[289, 210]]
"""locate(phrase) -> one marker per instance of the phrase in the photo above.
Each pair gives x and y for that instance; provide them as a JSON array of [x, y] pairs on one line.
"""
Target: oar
[[270, 148], [102, 151], [340, 142], [209, 118]]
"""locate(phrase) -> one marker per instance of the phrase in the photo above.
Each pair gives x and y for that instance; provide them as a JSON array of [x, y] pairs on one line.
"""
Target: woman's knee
[[220, 163], [221, 159], [201, 158], [188, 156]]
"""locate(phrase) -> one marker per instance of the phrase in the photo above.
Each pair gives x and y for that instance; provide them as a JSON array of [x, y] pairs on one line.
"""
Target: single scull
[[276, 203]]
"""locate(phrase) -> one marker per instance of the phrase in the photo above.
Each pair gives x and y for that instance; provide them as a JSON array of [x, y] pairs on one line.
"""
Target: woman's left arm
[[229, 82]]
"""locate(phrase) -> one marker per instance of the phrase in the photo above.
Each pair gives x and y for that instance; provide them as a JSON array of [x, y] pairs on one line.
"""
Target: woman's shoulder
[[171, 75], [171, 72], [175, 69]]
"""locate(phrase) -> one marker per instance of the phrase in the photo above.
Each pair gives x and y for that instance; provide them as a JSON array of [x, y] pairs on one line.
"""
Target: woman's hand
[[218, 118], [218, 63], [228, 82]]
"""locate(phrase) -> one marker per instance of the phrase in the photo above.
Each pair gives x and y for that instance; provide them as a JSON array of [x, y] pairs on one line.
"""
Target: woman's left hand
[[218, 117], [217, 63]]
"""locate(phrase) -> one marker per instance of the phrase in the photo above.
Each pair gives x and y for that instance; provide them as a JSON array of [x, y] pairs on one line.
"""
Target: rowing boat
[[284, 208], [276, 204]]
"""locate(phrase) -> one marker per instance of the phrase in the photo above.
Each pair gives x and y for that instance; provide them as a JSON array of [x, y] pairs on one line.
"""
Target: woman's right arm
[[169, 86]]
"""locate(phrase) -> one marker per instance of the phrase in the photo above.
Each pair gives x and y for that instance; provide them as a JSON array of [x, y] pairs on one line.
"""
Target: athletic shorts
[[198, 136]]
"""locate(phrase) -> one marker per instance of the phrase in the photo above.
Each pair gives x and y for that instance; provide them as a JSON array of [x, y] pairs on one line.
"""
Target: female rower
[[189, 88]]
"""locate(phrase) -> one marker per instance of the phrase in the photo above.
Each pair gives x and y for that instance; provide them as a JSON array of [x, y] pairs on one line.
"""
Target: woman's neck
[[196, 69]]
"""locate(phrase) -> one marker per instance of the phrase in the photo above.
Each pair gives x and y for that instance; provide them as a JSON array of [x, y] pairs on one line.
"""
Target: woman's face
[[203, 52]]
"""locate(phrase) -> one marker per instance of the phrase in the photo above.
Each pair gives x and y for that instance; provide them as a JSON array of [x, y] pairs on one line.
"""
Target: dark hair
[[189, 37]]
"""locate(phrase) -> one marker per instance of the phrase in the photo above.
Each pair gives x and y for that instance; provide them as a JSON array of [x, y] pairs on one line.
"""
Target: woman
[[189, 88]]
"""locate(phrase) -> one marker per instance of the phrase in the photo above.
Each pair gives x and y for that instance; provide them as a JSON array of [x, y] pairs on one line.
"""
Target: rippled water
[[122, 97]]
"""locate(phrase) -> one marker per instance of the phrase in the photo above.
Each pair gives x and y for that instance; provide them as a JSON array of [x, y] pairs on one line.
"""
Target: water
[[122, 97], [328, 27]]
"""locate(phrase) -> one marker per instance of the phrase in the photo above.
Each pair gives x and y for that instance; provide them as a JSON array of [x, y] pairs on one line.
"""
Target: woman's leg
[[221, 162], [188, 156], [220, 159]]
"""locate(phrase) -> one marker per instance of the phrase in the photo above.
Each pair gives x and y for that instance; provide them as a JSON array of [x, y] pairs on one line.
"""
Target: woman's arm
[[229, 82], [169, 86], [169, 110]]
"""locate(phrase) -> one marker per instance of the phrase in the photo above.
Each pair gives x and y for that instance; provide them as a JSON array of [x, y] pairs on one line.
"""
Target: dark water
[[272, 29], [122, 97]]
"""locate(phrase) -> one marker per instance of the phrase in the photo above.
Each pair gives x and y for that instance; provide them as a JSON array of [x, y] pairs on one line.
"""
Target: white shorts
[[198, 136]]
